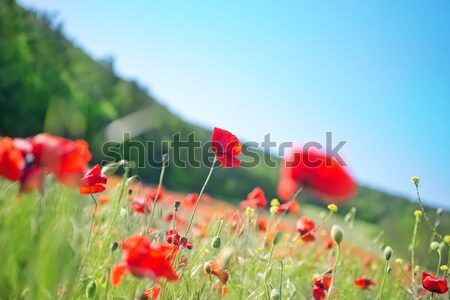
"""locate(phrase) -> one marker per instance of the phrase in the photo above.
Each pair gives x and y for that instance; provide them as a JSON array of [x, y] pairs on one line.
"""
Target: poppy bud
[[337, 233], [114, 246], [388, 253], [439, 212], [177, 204], [111, 168], [434, 246], [441, 248], [91, 288], [278, 237], [165, 158], [217, 242], [207, 267], [275, 295]]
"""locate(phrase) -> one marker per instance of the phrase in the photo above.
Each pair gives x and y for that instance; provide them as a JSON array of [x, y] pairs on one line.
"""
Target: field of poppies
[[70, 231]]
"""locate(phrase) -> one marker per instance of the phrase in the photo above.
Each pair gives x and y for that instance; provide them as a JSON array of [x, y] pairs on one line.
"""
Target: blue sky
[[376, 74]]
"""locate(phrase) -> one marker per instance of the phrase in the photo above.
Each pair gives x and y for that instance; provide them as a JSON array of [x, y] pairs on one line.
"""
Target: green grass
[[43, 239]]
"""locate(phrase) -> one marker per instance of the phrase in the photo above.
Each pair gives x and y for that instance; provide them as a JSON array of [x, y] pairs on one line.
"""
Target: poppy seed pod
[[177, 204], [165, 158], [337, 233], [388, 253], [112, 168], [91, 288], [278, 237], [217, 242], [434, 246], [114, 246]]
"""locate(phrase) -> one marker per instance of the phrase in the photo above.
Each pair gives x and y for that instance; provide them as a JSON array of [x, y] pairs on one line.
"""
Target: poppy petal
[[117, 274]]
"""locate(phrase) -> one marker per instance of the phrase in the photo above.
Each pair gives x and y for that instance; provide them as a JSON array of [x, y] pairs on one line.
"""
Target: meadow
[[108, 236]]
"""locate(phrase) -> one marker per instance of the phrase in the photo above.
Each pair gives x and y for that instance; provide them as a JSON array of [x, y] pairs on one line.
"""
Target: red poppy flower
[[289, 207], [141, 205], [153, 292], [262, 224], [328, 243], [191, 199], [145, 259], [255, 198], [178, 218], [226, 146], [306, 226], [216, 270], [173, 238], [93, 181], [11, 160], [67, 159], [364, 283], [321, 284], [434, 284], [318, 293], [317, 171], [322, 281], [151, 193]]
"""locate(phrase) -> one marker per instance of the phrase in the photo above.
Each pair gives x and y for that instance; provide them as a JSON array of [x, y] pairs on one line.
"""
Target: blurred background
[[376, 75]]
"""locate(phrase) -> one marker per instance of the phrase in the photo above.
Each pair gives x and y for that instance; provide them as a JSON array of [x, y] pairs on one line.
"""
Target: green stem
[[425, 214], [83, 260], [200, 196], [413, 245], [380, 294], [281, 274], [333, 273], [265, 272], [296, 194], [439, 263], [152, 213], [113, 221], [92, 224]]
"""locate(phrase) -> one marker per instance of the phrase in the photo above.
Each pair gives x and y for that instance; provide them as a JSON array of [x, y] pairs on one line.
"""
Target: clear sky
[[376, 74]]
